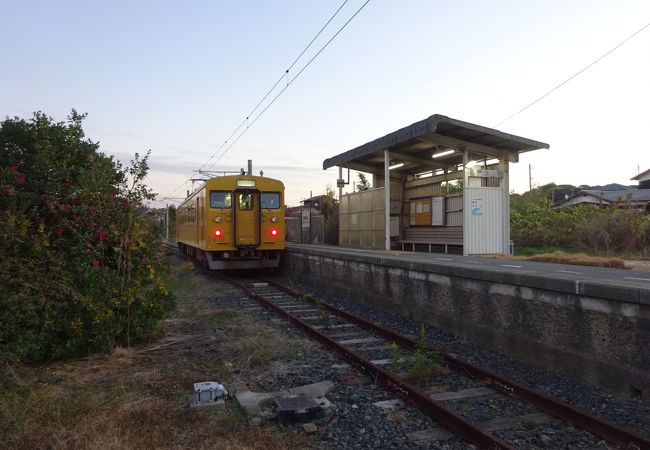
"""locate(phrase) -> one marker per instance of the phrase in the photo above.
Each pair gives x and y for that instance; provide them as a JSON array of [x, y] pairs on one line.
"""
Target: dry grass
[[638, 265], [137, 398], [579, 259]]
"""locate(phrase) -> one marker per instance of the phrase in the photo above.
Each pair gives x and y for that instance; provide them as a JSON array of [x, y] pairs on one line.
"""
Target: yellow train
[[233, 222]]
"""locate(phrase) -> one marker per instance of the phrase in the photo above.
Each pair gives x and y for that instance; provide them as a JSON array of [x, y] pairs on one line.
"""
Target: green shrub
[[535, 223], [79, 268]]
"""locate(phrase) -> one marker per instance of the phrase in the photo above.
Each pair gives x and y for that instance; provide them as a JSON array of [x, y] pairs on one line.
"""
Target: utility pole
[[167, 222], [530, 178]]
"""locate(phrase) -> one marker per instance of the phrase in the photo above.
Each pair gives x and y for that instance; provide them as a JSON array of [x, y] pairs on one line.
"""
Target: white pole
[[466, 204], [387, 198], [505, 192]]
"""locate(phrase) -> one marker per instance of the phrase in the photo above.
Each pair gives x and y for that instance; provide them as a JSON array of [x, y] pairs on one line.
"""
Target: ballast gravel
[[631, 413], [355, 422]]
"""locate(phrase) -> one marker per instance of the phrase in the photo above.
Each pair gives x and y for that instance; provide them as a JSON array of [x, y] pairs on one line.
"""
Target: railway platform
[[592, 324]]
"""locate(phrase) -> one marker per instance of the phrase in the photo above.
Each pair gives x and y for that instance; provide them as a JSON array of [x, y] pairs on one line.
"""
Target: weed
[[324, 315], [183, 361], [294, 354], [422, 364], [177, 280], [255, 351], [394, 357], [465, 408], [528, 425], [224, 319], [232, 417]]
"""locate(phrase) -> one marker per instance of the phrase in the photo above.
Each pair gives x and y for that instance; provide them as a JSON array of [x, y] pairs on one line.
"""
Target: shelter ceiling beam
[[394, 175], [473, 147], [422, 161], [363, 167]]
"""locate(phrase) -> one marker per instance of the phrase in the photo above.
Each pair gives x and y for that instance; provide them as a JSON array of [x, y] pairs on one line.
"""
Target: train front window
[[270, 200], [221, 200], [245, 201]]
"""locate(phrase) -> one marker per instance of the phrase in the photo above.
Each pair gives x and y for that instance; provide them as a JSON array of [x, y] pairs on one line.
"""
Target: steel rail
[[448, 418], [544, 402]]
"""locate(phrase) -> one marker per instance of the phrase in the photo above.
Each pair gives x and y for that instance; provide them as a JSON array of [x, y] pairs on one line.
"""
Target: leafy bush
[[535, 223], [79, 269]]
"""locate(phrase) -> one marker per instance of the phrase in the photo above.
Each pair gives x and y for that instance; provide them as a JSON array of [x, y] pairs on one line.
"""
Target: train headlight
[[218, 233], [274, 219], [217, 219]]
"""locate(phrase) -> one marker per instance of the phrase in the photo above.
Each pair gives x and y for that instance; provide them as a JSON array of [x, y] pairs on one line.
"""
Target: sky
[[178, 78]]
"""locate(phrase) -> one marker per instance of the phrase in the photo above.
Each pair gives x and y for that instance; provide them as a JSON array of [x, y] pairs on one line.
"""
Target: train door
[[247, 218], [197, 210], [200, 212]]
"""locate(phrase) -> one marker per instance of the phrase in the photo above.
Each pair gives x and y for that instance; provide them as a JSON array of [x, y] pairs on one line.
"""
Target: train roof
[[230, 181]]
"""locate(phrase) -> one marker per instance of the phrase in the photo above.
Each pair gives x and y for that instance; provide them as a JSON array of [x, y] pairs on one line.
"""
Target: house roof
[[641, 175], [613, 196], [414, 145]]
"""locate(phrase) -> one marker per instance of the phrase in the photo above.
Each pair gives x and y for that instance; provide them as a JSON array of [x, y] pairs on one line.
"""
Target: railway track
[[383, 354]]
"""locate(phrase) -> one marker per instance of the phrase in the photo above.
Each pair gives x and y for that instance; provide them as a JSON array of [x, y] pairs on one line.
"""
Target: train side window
[[245, 201], [221, 200], [270, 200]]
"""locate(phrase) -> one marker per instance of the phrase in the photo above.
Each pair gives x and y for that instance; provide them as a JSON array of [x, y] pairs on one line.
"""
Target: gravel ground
[[631, 414], [353, 421]]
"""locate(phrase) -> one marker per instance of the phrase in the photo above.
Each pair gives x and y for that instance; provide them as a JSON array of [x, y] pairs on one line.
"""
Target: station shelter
[[440, 184]]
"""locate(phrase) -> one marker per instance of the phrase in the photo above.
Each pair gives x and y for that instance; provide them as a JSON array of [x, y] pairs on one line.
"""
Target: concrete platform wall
[[594, 334]]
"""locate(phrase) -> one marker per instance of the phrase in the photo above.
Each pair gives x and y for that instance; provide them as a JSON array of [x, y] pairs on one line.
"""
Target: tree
[[80, 269], [454, 187], [363, 184]]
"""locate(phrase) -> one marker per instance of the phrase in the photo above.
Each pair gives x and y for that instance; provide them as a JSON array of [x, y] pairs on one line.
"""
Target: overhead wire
[[292, 80], [264, 97], [593, 63], [284, 74]]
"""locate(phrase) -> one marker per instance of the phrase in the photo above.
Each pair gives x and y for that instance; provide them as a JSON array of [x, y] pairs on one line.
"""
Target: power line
[[263, 98], [179, 187], [574, 75], [292, 80], [274, 85]]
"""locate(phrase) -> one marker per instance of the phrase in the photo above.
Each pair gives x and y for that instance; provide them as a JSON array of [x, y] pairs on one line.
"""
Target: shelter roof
[[414, 146]]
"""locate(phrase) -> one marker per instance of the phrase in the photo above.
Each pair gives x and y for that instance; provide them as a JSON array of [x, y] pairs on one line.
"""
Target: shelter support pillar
[[466, 225], [505, 188], [387, 199]]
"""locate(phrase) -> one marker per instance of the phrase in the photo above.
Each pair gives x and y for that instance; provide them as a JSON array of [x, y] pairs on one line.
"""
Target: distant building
[[644, 179], [316, 202], [637, 197], [313, 222]]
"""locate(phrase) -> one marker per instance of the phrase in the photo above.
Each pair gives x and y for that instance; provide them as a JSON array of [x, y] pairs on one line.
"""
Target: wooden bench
[[432, 236]]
